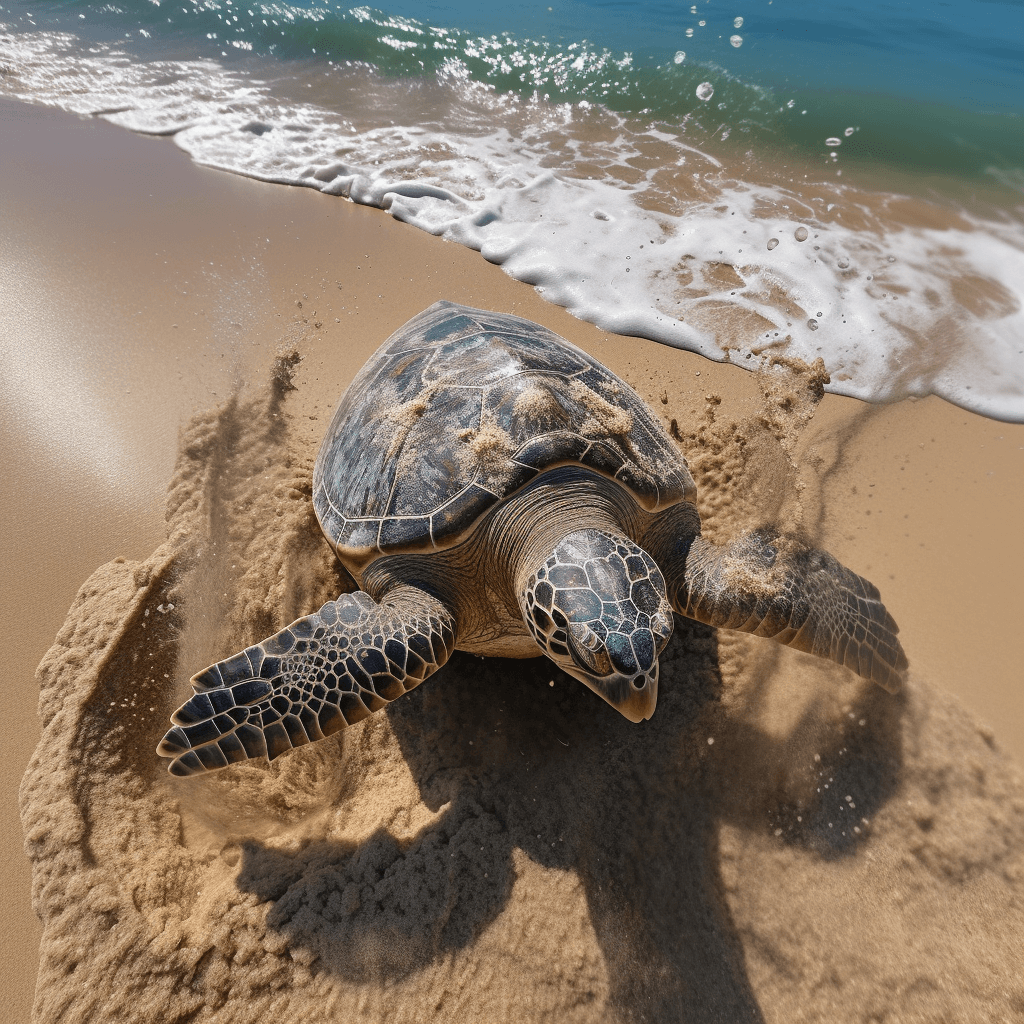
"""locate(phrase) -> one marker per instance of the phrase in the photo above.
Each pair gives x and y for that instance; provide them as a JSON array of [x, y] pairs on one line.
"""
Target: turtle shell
[[459, 409]]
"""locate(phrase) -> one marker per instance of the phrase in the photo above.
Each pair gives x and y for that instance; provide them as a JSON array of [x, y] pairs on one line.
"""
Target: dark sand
[[489, 846]]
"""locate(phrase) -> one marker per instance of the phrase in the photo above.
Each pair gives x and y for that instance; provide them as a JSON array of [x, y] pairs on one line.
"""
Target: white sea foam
[[626, 224]]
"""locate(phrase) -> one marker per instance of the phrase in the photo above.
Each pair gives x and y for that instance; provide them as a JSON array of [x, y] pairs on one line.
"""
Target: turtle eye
[[661, 624], [587, 650], [589, 639]]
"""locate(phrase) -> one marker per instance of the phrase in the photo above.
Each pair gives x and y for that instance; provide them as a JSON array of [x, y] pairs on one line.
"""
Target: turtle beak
[[634, 697]]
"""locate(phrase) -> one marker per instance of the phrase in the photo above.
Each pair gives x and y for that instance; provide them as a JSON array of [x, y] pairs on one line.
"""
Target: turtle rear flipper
[[779, 588], [323, 672]]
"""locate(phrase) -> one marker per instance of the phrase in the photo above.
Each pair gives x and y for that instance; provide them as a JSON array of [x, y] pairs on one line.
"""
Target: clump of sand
[[604, 419], [537, 404], [485, 454], [780, 842]]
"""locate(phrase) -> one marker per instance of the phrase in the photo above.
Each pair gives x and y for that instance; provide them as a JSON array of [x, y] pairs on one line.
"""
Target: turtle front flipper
[[777, 587], [323, 672]]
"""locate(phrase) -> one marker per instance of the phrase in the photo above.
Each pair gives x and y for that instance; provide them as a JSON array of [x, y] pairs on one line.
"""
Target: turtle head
[[598, 609]]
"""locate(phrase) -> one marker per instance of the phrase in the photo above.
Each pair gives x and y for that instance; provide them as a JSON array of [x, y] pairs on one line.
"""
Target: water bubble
[[702, 23], [737, 23], [693, 10], [772, 242], [800, 234], [679, 57], [848, 132], [891, 259], [689, 33], [812, 324], [736, 41], [704, 92], [790, 104], [832, 142], [843, 264]]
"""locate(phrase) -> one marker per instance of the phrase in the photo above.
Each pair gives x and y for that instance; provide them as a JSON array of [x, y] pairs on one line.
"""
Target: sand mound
[[781, 842]]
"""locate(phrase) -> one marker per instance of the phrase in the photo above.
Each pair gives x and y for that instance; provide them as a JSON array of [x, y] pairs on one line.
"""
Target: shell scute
[[459, 514], [519, 476], [552, 449], [595, 378], [450, 329], [398, 534], [602, 458]]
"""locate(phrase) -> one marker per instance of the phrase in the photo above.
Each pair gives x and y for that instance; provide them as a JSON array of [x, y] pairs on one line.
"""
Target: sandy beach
[[498, 844]]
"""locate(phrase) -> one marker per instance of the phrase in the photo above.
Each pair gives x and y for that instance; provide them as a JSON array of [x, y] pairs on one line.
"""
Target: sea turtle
[[491, 488]]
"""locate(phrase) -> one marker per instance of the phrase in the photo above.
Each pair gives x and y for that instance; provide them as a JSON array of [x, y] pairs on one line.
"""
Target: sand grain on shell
[[485, 453], [604, 419], [404, 417], [536, 404], [490, 846]]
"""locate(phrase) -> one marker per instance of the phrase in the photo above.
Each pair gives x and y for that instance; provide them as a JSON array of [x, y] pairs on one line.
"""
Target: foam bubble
[[679, 57], [705, 91], [737, 41], [737, 23]]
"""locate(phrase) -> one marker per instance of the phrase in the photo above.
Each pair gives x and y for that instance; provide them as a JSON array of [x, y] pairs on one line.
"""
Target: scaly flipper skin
[[323, 672], [799, 596]]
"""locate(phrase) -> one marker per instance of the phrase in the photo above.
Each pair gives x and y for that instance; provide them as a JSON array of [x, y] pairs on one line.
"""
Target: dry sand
[[490, 846]]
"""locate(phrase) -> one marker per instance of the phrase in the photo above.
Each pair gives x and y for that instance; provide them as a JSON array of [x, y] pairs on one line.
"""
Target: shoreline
[[155, 289]]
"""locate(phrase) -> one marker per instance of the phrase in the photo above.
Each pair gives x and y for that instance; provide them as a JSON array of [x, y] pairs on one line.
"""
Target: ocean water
[[744, 180]]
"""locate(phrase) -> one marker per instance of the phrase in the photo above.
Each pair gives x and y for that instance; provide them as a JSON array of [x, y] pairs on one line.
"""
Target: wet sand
[[140, 291]]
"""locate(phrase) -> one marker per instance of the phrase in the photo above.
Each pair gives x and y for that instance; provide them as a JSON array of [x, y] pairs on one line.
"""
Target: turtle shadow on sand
[[509, 762]]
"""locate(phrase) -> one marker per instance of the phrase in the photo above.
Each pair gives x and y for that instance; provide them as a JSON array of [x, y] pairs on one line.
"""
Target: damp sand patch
[[491, 845]]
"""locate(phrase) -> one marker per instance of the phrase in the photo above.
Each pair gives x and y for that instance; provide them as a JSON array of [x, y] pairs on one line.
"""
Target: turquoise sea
[[843, 180]]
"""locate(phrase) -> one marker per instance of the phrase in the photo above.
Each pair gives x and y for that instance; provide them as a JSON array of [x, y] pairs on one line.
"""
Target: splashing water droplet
[[737, 23], [800, 234], [848, 132], [812, 324], [705, 91], [736, 41], [679, 57], [772, 242], [832, 142]]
